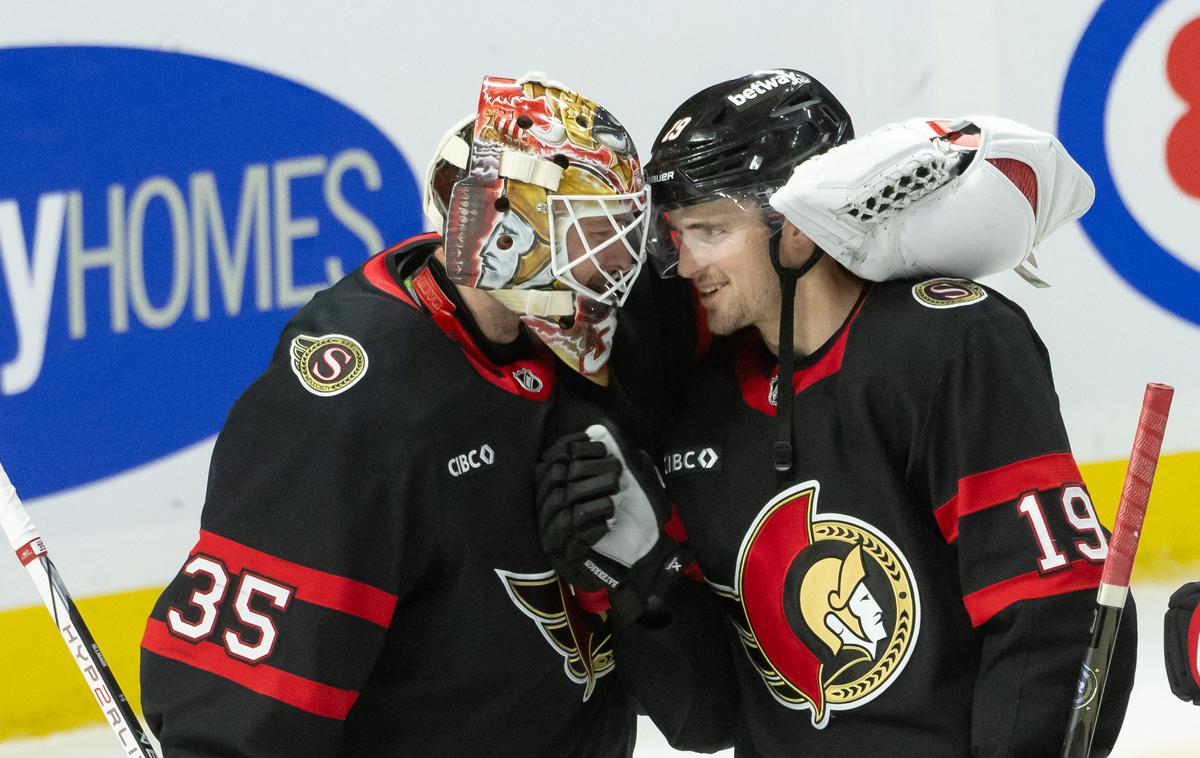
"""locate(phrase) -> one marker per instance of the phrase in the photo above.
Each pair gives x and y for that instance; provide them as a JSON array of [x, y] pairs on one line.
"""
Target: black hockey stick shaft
[[1093, 676], [1114, 581], [95, 669], [32, 554]]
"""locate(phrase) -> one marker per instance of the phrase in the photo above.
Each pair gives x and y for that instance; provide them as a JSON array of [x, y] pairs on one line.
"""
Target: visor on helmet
[[708, 231]]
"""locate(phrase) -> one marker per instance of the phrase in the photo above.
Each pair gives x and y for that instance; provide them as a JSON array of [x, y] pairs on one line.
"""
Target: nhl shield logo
[[328, 365], [529, 381], [825, 605]]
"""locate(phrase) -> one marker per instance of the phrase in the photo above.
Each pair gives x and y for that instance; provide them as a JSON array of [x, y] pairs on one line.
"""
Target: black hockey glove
[[1181, 642], [601, 511]]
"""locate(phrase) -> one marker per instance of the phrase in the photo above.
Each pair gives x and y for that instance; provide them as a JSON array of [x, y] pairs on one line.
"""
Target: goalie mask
[[543, 204]]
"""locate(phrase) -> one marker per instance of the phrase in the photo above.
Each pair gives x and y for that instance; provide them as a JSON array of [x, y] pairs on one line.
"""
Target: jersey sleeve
[[263, 640], [1008, 498]]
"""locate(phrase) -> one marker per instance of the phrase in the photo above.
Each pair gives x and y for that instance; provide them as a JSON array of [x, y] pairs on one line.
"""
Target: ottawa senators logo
[[948, 293], [587, 654], [828, 610], [328, 365]]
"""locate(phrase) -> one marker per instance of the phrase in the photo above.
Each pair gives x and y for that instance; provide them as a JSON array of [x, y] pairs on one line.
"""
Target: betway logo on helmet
[[763, 86], [157, 247]]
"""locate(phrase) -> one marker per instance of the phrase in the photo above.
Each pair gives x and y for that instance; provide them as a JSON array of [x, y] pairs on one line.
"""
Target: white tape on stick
[[13, 516]]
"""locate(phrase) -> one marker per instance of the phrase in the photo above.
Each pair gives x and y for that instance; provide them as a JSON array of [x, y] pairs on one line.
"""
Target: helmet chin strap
[[546, 304], [787, 315]]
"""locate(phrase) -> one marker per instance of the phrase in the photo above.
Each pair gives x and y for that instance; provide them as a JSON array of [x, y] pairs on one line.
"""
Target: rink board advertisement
[[161, 216], [174, 187]]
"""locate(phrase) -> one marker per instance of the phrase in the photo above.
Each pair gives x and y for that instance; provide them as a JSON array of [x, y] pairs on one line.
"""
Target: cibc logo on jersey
[[477, 458], [850, 612], [691, 459]]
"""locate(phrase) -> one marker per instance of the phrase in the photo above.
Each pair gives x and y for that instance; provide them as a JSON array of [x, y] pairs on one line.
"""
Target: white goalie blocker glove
[[924, 197]]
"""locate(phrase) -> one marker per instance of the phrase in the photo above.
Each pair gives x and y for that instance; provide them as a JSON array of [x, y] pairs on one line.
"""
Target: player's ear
[[795, 246]]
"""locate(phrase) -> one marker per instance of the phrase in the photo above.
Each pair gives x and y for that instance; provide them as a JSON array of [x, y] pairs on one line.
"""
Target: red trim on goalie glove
[[592, 602], [982, 604], [312, 586], [984, 490], [1194, 645], [675, 530], [277, 684], [1022, 177], [674, 526]]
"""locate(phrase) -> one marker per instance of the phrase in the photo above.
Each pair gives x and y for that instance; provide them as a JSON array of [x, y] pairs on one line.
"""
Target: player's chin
[[723, 323]]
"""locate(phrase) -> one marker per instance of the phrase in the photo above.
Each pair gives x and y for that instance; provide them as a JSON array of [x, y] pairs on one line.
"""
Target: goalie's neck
[[825, 296]]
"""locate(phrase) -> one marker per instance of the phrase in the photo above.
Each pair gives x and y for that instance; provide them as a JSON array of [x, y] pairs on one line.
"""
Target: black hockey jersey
[[368, 579], [922, 581]]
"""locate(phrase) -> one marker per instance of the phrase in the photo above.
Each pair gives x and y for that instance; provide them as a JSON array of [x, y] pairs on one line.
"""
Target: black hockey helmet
[[744, 134]]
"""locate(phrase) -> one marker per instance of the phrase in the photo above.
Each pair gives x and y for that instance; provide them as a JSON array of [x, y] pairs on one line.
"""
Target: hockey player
[[907, 552], [368, 579]]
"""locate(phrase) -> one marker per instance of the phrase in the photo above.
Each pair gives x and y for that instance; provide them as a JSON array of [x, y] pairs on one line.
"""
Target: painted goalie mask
[[548, 211]]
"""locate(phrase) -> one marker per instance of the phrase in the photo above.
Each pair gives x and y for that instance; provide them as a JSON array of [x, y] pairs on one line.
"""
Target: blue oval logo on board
[[161, 217], [1083, 121]]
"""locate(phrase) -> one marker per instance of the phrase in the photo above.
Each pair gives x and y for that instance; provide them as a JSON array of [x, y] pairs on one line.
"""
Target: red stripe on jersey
[[983, 604], [376, 271], [312, 586], [277, 684], [978, 492], [540, 366]]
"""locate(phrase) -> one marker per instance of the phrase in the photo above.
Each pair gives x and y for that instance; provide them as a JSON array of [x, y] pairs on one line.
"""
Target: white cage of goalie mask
[[967, 224], [567, 211]]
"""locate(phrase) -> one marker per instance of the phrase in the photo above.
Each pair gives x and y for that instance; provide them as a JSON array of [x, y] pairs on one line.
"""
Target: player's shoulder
[[942, 307], [353, 345], [931, 322]]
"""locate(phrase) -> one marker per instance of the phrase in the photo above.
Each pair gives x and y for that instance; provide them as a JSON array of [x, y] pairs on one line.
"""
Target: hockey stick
[[23, 537], [1114, 581]]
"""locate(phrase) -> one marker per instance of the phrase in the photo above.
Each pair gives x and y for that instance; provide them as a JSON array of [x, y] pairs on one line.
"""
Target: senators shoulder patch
[[328, 365], [948, 293]]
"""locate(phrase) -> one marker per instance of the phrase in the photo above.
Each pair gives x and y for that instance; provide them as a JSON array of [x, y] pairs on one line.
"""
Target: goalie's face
[[723, 250]]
